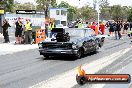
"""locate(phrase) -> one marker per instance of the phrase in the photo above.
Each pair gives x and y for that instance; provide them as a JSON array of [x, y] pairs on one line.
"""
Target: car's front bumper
[[54, 52]]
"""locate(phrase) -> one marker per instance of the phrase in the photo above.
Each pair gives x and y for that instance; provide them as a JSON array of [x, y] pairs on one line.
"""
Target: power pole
[[97, 4]]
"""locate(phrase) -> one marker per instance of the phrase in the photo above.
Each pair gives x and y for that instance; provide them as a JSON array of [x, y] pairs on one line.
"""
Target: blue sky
[[84, 2]]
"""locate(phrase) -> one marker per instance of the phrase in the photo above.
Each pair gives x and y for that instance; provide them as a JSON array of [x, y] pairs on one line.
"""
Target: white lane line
[[116, 72], [68, 80], [102, 85]]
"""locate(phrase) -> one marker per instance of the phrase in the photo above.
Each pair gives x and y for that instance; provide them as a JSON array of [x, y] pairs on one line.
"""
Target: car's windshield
[[75, 32]]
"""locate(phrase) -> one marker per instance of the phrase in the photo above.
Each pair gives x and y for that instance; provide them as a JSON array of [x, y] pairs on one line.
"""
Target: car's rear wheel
[[97, 48]]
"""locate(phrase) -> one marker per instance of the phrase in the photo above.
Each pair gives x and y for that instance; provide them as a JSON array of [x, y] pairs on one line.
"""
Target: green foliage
[[117, 12], [107, 12], [125, 10], [64, 4], [129, 18], [24, 6], [104, 3], [114, 12], [42, 4], [45, 4], [71, 10], [8, 5], [88, 13], [53, 3]]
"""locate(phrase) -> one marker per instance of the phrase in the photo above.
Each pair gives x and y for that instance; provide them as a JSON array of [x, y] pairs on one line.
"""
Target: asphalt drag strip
[[114, 68], [27, 69], [67, 79]]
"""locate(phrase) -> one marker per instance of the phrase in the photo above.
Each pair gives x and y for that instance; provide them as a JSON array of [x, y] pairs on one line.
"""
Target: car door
[[85, 45], [89, 40], [92, 43]]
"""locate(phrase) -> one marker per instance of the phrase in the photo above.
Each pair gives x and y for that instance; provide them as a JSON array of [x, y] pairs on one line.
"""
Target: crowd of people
[[23, 31], [118, 28]]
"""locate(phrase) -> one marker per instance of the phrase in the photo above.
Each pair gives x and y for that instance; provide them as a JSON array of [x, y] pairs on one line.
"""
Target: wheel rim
[[46, 56], [97, 47], [79, 54]]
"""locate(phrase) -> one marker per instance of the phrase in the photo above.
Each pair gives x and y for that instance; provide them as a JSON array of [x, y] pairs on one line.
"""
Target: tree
[[88, 13], [104, 8], [117, 13], [25, 6], [53, 3], [129, 18], [71, 10], [104, 3], [8, 5], [44, 5], [114, 12], [64, 4], [125, 10], [105, 13]]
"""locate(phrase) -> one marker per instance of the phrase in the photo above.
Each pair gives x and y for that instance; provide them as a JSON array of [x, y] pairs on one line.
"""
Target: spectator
[[130, 26], [126, 26], [80, 25], [51, 26], [28, 32], [115, 29], [18, 31], [102, 28], [111, 29], [119, 26], [5, 31]]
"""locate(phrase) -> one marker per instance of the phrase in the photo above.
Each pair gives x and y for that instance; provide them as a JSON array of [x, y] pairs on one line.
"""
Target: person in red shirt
[[93, 26], [102, 28]]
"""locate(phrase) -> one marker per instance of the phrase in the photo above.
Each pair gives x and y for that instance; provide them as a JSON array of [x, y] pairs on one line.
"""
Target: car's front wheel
[[46, 56], [79, 54]]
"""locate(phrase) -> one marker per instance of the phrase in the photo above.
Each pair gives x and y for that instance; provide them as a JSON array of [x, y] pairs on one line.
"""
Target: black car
[[71, 42]]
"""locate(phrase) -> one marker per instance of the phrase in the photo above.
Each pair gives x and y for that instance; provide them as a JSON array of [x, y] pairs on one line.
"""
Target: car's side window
[[92, 32], [87, 33]]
